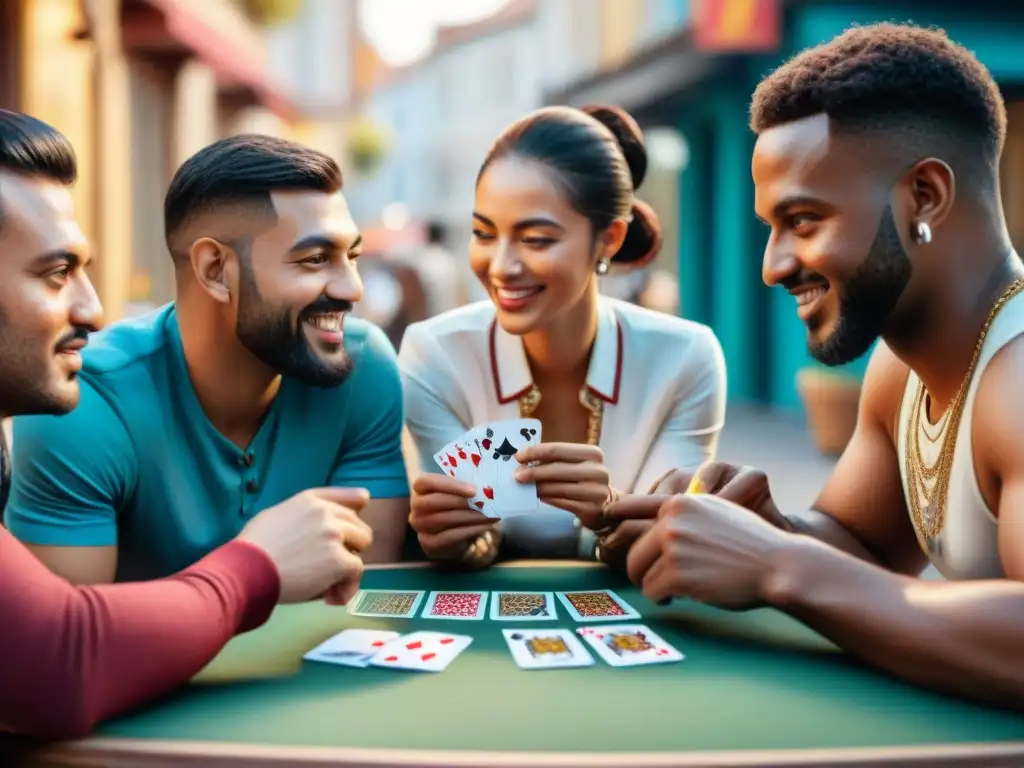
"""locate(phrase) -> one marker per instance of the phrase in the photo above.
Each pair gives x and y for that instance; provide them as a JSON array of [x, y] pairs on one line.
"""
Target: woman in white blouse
[[624, 394]]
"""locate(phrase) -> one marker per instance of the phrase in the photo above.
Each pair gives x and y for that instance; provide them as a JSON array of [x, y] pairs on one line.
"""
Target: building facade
[[695, 80]]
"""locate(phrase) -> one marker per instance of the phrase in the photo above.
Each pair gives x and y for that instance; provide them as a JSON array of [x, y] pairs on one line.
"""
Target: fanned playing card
[[461, 459], [422, 651], [627, 645], [499, 442], [484, 457]]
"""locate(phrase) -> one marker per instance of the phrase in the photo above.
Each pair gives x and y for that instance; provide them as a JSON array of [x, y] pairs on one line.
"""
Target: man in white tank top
[[876, 170]]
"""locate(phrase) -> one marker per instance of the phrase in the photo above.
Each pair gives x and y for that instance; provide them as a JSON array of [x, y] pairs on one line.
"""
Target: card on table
[[422, 651], [546, 648], [386, 603], [352, 647], [523, 606], [455, 605], [627, 645], [597, 605], [485, 458]]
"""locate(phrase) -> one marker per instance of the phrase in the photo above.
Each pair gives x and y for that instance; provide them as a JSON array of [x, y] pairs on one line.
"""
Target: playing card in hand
[[485, 458]]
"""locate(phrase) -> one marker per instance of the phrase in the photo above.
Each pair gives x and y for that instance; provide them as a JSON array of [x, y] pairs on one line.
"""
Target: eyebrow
[[536, 221], [323, 241], [793, 201], [53, 258]]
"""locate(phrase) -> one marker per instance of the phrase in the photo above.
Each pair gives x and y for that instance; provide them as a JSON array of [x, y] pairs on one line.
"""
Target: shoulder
[[882, 388], [998, 407], [471, 323], [366, 342], [126, 343], [664, 340]]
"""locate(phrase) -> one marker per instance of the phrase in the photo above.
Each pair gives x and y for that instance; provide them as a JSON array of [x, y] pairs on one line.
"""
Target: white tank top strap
[[967, 545]]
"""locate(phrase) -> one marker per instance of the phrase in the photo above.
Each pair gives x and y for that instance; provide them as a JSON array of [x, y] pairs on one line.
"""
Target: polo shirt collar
[[510, 369]]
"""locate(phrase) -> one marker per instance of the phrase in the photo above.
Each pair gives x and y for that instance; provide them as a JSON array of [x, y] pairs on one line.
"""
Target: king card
[[628, 645], [455, 605], [546, 648], [386, 603], [499, 444], [422, 651], [597, 605], [351, 647], [523, 606]]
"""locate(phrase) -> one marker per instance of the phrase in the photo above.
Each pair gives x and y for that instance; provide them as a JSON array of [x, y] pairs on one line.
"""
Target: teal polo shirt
[[138, 464]]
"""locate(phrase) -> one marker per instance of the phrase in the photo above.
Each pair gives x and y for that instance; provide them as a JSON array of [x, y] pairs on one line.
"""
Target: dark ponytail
[[598, 156]]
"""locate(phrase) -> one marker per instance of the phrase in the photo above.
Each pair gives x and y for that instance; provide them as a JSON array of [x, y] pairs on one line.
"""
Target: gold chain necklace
[[595, 408], [929, 517]]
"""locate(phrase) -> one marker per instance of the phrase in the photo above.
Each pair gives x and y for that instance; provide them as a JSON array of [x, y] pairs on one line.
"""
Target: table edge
[[117, 752], [508, 564]]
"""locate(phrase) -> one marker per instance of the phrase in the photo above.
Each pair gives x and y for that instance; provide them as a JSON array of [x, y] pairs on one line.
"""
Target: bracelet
[[481, 551]]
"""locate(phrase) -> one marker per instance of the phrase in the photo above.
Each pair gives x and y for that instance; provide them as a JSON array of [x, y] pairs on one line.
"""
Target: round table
[[755, 689]]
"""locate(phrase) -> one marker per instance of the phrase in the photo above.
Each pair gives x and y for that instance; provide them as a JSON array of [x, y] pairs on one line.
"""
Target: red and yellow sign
[[737, 26]]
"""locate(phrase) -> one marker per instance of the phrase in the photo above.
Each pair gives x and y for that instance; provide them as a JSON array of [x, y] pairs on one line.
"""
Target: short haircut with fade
[[243, 170], [32, 148], [911, 83]]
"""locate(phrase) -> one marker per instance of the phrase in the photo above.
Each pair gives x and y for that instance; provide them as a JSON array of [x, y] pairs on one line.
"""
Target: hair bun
[[627, 132], [643, 237]]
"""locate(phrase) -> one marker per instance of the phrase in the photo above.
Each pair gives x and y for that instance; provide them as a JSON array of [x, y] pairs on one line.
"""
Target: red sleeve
[[73, 657]]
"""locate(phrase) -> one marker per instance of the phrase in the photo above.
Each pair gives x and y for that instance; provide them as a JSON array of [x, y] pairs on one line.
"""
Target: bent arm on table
[[964, 638], [71, 474], [71, 657]]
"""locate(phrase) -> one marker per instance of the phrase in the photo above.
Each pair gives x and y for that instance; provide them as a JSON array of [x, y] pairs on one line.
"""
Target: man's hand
[[745, 486], [707, 549], [315, 540]]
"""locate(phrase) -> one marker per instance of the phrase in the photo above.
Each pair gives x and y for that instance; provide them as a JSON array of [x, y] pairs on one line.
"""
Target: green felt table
[[754, 689]]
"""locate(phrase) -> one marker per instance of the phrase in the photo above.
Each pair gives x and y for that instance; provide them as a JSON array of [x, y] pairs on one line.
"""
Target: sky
[[403, 31]]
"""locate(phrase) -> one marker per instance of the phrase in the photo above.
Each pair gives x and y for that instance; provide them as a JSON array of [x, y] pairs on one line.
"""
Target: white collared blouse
[[661, 378]]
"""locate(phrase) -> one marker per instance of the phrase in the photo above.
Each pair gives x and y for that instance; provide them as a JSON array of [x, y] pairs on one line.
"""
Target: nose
[[505, 263], [86, 308], [778, 263], [345, 284]]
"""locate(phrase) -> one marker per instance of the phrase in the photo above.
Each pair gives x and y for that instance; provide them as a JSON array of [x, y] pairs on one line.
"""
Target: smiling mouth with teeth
[[327, 321]]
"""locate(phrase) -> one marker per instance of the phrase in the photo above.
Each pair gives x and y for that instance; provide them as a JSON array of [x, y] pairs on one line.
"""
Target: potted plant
[[830, 397]]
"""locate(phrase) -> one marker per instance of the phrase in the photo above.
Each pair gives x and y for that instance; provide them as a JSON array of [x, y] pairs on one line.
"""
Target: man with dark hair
[[71, 657], [251, 387], [877, 171]]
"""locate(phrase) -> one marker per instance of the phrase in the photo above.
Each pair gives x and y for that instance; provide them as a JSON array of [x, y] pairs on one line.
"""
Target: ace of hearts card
[[422, 651], [628, 645], [597, 605], [546, 648]]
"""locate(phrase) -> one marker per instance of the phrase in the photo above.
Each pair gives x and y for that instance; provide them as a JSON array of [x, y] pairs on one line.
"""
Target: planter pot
[[830, 401]]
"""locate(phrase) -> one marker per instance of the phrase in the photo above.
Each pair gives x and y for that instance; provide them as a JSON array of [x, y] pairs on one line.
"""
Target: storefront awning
[[170, 27]]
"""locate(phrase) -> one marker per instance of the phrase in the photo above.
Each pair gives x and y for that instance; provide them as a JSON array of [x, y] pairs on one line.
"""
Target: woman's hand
[[569, 476], [442, 518]]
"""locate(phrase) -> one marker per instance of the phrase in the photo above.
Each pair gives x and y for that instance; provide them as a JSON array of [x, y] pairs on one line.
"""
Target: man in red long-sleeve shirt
[[71, 657]]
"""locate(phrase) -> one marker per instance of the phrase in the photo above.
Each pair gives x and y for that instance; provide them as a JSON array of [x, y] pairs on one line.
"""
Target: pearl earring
[[602, 267], [923, 233]]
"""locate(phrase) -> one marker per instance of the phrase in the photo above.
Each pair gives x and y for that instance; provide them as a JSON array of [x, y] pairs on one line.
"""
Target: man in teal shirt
[[254, 385]]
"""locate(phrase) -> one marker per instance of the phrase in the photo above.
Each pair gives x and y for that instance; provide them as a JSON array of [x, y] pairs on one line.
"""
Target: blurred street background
[[408, 95]]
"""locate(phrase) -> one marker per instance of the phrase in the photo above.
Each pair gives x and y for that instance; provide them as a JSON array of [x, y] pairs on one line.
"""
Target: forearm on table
[[963, 638], [825, 528], [81, 655]]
